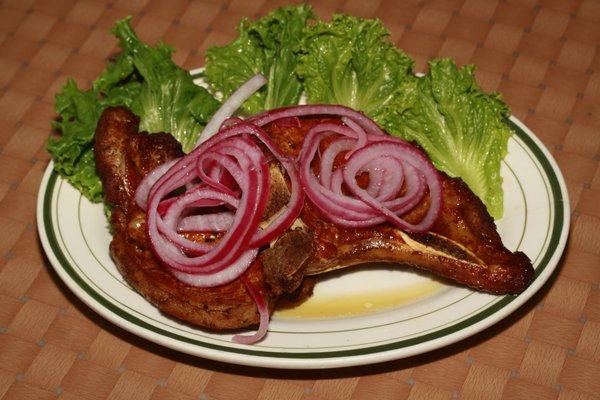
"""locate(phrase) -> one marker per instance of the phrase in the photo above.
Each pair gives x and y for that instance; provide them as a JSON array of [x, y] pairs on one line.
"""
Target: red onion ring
[[361, 135], [249, 210], [141, 193], [245, 163], [407, 154], [233, 271], [263, 311], [235, 100], [362, 120], [391, 163], [217, 222], [294, 206]]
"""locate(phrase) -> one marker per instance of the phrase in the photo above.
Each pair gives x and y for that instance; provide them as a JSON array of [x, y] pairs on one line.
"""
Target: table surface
[[543, 56]]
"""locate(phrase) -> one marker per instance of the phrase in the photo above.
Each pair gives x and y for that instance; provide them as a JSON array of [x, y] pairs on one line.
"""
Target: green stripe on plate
[[556, 193]]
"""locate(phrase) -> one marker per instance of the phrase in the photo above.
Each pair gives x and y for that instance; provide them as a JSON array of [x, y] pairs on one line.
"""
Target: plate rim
[[247, 355]]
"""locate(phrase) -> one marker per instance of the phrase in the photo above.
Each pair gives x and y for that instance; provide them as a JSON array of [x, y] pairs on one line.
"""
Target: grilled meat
[[463, 245], [123, 158]]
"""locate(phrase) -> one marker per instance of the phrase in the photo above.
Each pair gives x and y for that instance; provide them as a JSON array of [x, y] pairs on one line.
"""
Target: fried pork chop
[[462, 246], [123, 158]]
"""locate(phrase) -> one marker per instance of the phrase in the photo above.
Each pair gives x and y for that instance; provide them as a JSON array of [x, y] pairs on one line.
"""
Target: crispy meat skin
[[123, 157], [463, 245]]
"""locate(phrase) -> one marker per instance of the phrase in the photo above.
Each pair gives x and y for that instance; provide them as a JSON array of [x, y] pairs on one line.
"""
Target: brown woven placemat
[[542, 55]]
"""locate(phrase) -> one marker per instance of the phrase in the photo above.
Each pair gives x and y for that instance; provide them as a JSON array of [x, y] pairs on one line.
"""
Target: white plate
[[399, 313]]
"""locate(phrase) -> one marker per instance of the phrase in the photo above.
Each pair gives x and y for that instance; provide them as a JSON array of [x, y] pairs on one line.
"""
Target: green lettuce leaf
[[142, 78], [350, 61], [168, 99], [462, 129], [79, 111], [268, 46]]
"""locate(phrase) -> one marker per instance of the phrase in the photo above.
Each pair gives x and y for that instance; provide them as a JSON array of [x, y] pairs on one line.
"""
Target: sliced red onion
[[229, 274], [291, 122], [263, 311], [386, 177], [294, 206], [167, 225], [164, 205], [317, 109], [230, 106], [246, 164], [328, 158], [407, 154], [230, 122], [169, 246], [143, 189], [361, 135], [390, 164], [217, 222], [247, 216]]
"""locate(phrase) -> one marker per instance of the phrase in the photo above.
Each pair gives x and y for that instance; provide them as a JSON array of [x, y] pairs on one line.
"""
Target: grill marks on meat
[[463, 245], [123, 158]]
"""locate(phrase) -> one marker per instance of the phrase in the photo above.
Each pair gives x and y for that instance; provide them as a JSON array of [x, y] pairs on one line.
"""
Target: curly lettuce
[[79, 111], [462, 128], [268, 46], [168, 101], [142, 78], [350, 61]]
